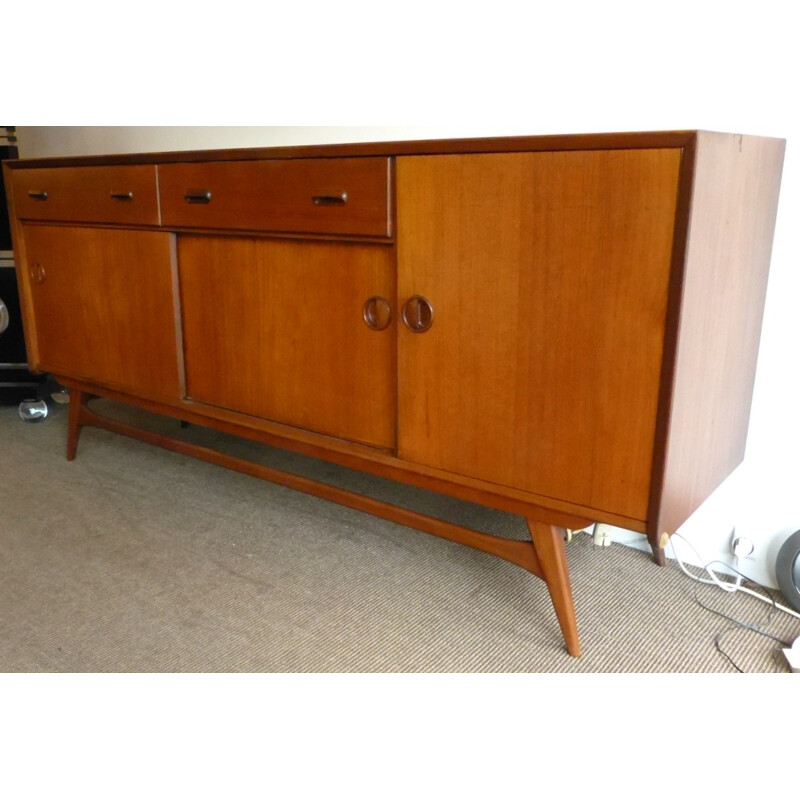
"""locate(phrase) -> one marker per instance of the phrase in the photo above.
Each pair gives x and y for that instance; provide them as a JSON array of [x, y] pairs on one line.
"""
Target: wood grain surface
[[104, 306], [731, 223], [548, 275], [281, 195], [276, 329], [124, 195]]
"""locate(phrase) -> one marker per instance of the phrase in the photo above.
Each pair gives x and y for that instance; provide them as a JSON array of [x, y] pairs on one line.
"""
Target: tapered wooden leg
[[657, 544], [76, 400], [548, 541]]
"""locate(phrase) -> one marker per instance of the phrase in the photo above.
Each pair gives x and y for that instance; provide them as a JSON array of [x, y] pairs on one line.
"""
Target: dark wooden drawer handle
[[331, 199], [197, 196], [418, 314], [377, 313], [37, 195], [123, 197]]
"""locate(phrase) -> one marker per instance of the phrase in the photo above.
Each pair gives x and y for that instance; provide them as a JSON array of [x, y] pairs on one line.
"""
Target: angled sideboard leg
[[77, 399], [548, 542], [657, 544]]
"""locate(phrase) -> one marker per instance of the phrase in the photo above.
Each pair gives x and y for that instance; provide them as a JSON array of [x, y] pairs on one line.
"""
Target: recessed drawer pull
[[37, 195], [332, 199], [197, 196], [122, 196]]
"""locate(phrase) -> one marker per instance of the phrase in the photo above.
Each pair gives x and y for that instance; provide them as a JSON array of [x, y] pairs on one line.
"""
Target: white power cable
[[724, 585]]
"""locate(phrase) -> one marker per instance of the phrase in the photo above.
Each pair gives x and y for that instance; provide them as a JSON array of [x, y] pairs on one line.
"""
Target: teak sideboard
[[560, 327]]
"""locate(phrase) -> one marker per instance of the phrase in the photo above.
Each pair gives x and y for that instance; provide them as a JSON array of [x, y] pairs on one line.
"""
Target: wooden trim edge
[[518, 552], [362, 458], [669, 354], [574, 141]]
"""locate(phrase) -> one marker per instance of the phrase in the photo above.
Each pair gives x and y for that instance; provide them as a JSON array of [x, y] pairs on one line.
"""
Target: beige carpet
[[134, 559]]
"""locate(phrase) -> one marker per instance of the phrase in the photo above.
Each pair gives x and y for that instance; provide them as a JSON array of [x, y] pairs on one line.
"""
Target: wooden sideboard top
[[581, 141]]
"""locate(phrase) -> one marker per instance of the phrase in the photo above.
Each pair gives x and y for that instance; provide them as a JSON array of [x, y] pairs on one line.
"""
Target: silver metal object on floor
[[32, 410]]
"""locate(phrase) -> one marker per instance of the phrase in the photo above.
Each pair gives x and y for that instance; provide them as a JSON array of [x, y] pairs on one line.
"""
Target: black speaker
[[7, 151], [787, 570], [16, 382]]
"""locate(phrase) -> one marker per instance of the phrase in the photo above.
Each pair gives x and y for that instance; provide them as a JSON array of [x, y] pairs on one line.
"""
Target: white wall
[[581, 67], [46, 141]]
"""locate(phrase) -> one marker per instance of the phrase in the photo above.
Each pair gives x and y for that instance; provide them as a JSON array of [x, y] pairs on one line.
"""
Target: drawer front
[[125, 195], [339, 196]]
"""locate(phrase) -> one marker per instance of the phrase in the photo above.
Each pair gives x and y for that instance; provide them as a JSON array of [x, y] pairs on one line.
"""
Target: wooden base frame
[[544, 555]]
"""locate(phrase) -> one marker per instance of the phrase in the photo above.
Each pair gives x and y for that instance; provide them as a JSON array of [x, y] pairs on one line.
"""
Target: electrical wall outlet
[[741, 546]]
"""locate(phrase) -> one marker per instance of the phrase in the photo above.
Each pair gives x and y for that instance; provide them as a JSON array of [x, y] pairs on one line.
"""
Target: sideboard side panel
[[729, 245]]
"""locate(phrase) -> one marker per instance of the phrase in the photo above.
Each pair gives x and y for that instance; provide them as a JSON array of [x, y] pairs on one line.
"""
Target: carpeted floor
[[134, 559]]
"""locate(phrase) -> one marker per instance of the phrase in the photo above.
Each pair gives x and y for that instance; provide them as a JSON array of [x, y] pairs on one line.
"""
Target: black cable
[[747, 626], [752, 585], [776, 651], [718, 645]]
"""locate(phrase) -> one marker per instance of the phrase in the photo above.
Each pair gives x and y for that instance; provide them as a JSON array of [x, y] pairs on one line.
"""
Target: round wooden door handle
[[37, 273], [418, 314], [377, 313]]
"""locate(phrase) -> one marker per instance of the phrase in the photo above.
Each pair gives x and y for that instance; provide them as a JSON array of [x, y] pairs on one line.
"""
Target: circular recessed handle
[[37, 273], [4, 317], [377, 313], [418, 314]]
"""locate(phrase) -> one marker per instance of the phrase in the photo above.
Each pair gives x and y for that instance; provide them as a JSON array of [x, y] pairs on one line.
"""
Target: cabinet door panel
[[547, 274], [276, 329], [104, 306]]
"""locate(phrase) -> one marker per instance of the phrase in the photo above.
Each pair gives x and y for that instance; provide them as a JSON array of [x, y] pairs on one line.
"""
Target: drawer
[[125, 195], [339, 196]]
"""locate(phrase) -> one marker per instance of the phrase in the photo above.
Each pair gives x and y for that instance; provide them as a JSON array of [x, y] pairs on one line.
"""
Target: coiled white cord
[[726, 586]]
